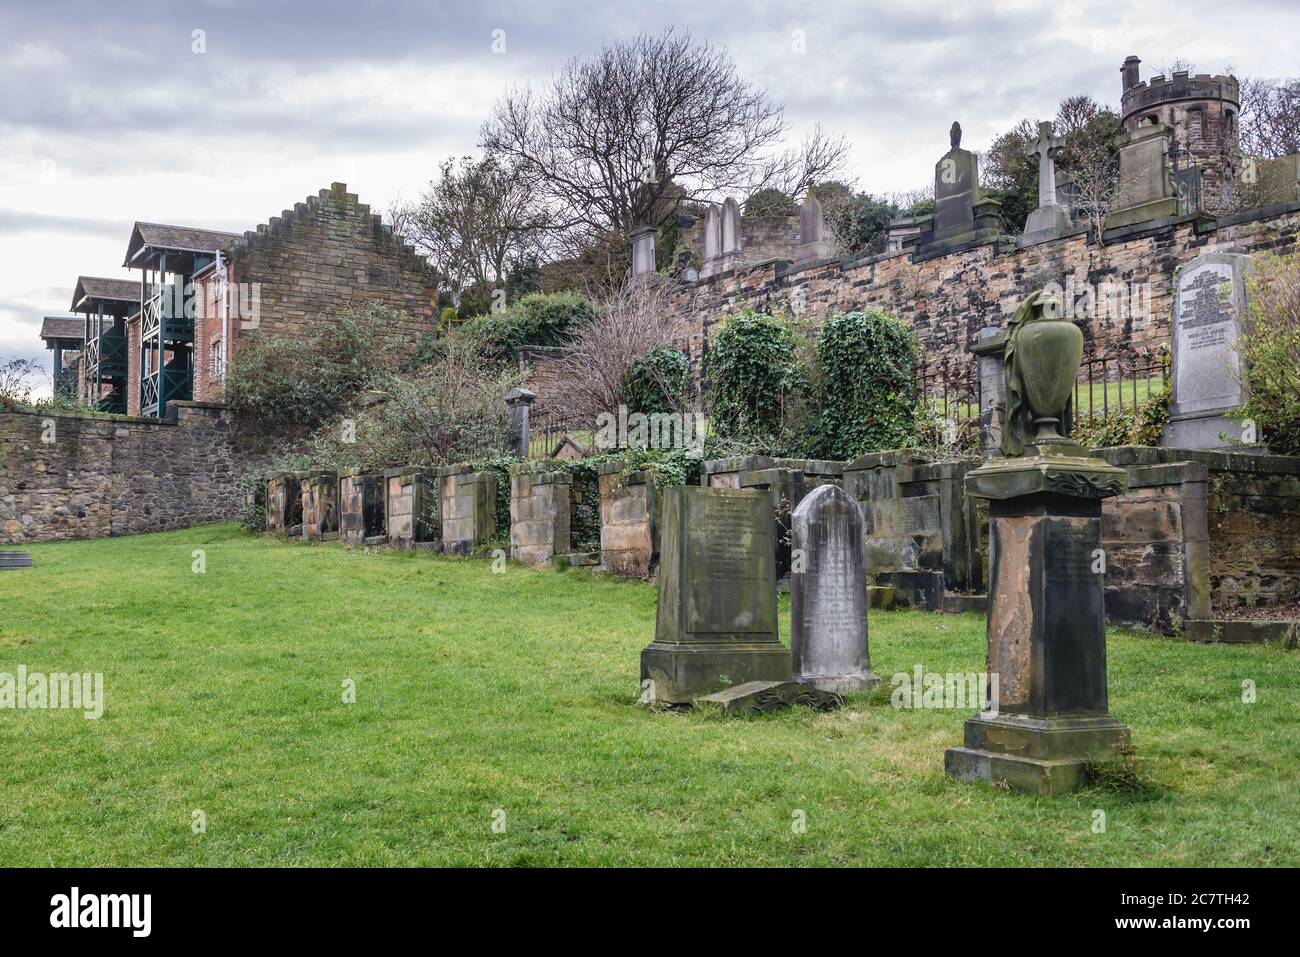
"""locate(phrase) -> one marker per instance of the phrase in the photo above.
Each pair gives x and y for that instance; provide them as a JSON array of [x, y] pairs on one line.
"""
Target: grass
[[478, 692]]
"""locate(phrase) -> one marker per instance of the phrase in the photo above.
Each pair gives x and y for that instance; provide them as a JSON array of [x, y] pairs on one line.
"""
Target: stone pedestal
[[1046, 624], [629, 530], [469, 508], [320, 506], [716, 626], [828, 595], [361, 507], [412, 508], [539, 514]]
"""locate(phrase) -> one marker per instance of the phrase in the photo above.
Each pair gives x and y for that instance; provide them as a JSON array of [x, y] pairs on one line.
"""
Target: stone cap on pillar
[[518, 395], [1078, 476]]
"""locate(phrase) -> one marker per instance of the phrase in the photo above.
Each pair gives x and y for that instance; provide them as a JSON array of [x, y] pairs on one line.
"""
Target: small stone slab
[[754, 697], [15, 560]]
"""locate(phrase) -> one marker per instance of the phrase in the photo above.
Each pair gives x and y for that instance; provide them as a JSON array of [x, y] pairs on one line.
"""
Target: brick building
[[175, 333]]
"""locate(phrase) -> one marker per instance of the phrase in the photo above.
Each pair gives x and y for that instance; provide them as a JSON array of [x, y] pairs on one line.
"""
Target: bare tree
[[18, 377], [609, 137], [1270, 117], [634, 319], [474, 220]]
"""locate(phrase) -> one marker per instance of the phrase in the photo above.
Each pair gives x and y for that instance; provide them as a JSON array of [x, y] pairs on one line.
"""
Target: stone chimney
[[1130, 72]]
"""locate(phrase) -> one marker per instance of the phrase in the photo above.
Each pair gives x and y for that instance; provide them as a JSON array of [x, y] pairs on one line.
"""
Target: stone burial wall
[[922, 533], [1200, 536], [66, 476]]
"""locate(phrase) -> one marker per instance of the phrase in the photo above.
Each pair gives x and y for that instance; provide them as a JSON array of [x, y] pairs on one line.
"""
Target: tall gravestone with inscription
[[716, 625], [1207, 371], [1046, 625], [828, 595]]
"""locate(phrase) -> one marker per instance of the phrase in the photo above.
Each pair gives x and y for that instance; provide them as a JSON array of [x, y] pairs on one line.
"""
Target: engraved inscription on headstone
[[828, 600], [1207, 370], [725, 575]]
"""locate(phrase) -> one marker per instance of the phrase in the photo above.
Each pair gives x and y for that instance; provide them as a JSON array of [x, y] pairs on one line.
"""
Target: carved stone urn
[[1050, 350]]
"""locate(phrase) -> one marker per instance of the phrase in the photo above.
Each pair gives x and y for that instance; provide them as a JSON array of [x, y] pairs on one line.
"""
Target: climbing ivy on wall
[[868, 383]]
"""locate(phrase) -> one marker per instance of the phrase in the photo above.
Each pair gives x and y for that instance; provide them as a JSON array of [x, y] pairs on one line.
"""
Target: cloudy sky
[[112, 112]]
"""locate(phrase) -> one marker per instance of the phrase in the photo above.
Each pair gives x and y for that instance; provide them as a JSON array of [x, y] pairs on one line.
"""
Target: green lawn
[[478, 692]]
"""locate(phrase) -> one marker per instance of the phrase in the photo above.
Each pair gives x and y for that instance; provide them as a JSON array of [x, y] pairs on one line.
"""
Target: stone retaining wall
[[67, 476]]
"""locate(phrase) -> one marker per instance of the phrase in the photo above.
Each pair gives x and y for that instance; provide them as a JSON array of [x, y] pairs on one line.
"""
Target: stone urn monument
[[1047, 621]]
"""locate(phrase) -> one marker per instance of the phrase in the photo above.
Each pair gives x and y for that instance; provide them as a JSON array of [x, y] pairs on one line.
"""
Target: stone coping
[[891, 458], [758, 463], [1171, 473], [613, 468], [1216, 461]]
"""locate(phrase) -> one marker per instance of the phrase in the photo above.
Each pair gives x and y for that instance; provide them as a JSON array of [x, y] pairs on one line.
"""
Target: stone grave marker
[[828, 596], [1207, 384], [716, 626]]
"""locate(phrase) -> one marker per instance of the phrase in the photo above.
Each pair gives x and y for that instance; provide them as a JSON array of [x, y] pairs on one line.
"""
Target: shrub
[[296, 384], [770, 202], [537, 319], [450, 410], [657, 382], [756, 378], [867, 362], [1270, 347]]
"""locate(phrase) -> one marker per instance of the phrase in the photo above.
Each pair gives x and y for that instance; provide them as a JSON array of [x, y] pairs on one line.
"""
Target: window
[[215, 365]]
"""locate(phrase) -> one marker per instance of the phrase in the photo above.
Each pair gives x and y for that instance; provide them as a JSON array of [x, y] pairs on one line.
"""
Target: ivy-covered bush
[[867, 364], [1270, 347], [537, 319], [757, 378], [657, 382]]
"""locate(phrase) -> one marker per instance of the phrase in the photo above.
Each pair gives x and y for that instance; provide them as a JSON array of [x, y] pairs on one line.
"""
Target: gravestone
[[643, 251], [1050, 220], [828, 596], [712, 240], [716, 625], [813, 243], [956, 178], [1207, 380], [1146, 187]]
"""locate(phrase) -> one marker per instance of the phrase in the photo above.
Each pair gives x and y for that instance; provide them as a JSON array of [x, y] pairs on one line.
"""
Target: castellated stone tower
[[1203, 111]]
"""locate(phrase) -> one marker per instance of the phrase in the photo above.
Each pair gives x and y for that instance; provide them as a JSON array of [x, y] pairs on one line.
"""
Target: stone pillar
[[361, 507], [643, 252], [1048, 711], [991, 343], [518, 402], [828, 594], [629, 532], [469, 508], [412, 507], [320, 506], [539, 514], [716, 625]]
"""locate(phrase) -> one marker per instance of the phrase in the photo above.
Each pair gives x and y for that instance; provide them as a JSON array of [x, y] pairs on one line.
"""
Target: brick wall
[[325, 255], [118, 475], [947, 300]]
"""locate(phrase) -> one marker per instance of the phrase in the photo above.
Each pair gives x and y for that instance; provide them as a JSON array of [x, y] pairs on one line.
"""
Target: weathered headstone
[[956, 178], [1146, 187], [828, 596], [1050, 220], [643, 251], [1048, 712], [813, 242], [518, 402], [1207, 379], [716, 625]]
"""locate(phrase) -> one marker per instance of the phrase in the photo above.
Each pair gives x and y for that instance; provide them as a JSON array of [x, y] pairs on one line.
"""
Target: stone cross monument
[[1050, 220], [1047, 620]]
